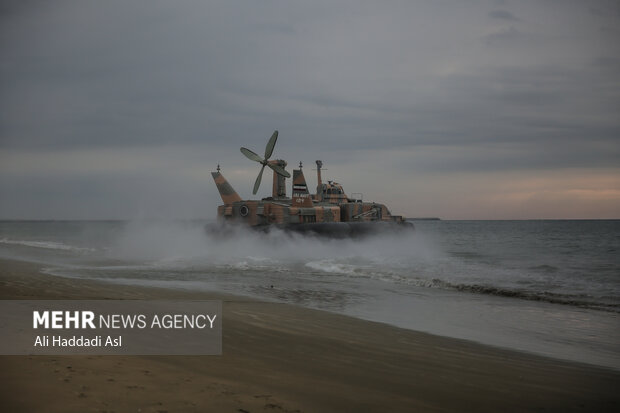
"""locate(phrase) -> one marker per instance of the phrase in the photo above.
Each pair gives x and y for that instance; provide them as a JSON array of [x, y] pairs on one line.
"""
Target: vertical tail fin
[[226, 191], [301, 196]]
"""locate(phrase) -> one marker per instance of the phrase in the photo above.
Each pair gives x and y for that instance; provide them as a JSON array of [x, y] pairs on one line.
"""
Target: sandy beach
[[282, 358]]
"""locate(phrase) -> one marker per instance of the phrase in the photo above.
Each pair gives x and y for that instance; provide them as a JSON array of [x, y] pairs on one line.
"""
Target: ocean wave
[[576, 300], [330, 266], [603, 303], [52, 245], [545, 268]]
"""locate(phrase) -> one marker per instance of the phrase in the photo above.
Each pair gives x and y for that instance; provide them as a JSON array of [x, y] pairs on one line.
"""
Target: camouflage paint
[[301, 196], [330, 205], [226, 191], [278, 189]]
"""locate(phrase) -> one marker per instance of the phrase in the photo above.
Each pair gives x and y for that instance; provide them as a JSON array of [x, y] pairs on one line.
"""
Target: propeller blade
[[271, 144], [258, 178], [279, 170], [251, 155]]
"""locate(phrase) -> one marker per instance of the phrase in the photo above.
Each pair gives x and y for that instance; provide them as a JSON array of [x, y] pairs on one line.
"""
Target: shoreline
[[282, 357], [589, 356]]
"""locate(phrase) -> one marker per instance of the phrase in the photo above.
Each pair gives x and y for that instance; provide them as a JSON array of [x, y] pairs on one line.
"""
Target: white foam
[[53, 245], [330, 266]]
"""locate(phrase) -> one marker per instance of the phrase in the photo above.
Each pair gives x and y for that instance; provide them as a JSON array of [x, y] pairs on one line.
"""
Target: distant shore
[[279, 357]]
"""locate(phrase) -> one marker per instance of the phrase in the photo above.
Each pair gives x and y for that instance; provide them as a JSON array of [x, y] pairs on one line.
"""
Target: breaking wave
[[52, 245], [581, 300], [330, 266]]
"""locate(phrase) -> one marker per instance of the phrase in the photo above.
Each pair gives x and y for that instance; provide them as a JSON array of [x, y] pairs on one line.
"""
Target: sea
[[547, 287]]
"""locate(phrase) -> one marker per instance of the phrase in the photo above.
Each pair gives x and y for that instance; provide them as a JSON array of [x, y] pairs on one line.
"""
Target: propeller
[[265, 161]]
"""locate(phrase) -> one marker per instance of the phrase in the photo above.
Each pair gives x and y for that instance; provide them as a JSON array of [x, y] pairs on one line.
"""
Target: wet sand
[[282, 358]]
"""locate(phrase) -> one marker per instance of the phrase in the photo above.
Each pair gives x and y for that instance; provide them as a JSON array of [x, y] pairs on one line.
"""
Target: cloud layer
[[116, 109]]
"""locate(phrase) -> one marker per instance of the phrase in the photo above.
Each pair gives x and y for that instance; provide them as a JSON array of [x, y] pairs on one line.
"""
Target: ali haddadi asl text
[[81, 341]]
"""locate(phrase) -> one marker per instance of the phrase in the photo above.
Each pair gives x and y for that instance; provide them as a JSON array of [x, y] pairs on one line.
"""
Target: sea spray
[[532, 285]]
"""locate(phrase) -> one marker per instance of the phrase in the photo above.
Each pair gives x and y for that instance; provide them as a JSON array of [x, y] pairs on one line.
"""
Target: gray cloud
[[193, 81], [502, 14]]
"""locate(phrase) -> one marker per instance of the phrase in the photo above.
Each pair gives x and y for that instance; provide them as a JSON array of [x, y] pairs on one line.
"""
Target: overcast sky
[[457, 109]]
